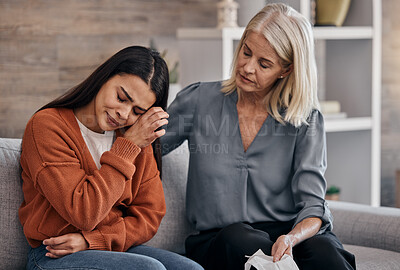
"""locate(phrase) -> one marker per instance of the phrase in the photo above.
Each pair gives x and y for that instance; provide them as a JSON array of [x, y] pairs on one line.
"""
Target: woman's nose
[[249, 66], [123, 113]]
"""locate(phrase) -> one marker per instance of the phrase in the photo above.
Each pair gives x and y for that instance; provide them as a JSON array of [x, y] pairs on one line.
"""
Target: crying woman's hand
[[145, 130], [66, 244]]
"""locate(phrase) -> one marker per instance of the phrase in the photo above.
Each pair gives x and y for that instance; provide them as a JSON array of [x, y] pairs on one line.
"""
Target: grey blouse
[[279, 178]]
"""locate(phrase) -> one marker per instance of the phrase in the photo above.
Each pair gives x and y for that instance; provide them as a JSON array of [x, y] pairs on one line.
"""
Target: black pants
[[226, 248]]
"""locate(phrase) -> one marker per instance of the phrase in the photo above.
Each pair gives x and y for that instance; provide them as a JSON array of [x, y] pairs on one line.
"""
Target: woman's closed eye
[[138, 111], [135, 110], [246, 52], [264, 65], [120, 99]]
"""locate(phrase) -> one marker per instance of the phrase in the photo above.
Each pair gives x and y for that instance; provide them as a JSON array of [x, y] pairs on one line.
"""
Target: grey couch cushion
[[13, 245], [174, 227], [362, 225], [374, 259]]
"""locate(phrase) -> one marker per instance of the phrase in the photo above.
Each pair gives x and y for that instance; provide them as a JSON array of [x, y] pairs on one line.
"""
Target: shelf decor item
[[172, 68], [227, 13], [331, 109], [331, 12], [332, 193]]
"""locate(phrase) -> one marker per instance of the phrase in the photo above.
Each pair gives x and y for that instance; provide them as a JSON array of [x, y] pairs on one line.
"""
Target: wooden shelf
[[345, 32], [348, 124]]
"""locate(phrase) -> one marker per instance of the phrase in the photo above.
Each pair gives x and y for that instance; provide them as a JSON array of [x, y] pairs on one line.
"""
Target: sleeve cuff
[[95, 240], [125, 149], [319, 210]]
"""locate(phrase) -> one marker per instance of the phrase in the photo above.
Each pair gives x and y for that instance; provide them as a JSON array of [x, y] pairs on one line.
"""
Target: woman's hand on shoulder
[[66, 244], [145, 130], [283, 245]]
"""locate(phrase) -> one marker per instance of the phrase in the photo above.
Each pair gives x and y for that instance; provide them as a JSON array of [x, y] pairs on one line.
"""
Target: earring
[[281, 77]]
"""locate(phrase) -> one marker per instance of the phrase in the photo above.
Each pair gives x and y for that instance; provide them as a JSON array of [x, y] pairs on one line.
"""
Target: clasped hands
[[60, 246]]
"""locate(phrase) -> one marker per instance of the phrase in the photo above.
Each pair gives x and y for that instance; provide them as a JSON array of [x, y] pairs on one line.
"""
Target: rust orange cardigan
[[114, 207]]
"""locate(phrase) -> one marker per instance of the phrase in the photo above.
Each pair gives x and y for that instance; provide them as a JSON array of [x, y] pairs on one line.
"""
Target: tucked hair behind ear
[[290, 34]]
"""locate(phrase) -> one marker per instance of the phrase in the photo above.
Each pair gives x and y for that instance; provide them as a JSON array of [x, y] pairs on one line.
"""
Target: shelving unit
[[350, 73]]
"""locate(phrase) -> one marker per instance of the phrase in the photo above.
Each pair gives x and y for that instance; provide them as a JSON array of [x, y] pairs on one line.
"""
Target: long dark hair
[[135, 60]]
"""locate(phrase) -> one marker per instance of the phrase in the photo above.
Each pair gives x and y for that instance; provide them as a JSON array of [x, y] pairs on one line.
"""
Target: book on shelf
[[331, 109], [330, 106], [332, 116]]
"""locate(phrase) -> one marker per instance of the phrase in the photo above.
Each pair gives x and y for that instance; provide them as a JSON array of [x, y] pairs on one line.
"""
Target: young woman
[[258, 155], [90, 178]]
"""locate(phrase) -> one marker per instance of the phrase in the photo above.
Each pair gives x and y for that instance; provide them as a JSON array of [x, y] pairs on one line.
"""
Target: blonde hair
[[290, 35]]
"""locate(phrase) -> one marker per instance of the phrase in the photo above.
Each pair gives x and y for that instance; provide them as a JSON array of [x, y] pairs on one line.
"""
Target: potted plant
[[174, 86], [332, 193]]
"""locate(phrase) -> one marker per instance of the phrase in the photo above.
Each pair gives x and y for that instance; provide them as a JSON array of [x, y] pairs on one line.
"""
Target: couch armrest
[[364, 225]]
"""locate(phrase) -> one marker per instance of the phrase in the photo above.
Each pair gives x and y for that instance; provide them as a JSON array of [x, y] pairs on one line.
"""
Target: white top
[[97, 143]]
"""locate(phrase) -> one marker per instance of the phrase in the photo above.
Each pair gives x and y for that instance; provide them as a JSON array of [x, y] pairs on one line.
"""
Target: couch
[[371, 233]]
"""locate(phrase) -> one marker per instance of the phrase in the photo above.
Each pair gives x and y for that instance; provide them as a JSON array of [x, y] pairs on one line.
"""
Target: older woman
[[257, 152]]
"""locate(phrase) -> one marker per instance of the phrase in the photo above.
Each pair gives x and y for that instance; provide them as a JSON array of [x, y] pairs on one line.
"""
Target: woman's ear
[[286, 71]]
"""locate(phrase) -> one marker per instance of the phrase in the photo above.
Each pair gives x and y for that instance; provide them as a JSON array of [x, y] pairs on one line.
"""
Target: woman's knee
[[186, 265], [179, 262], [171, 260], [320, 252], [92, 259], [230, 246], [233, 232], [151, 263], [119, 260], [243, 238]]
